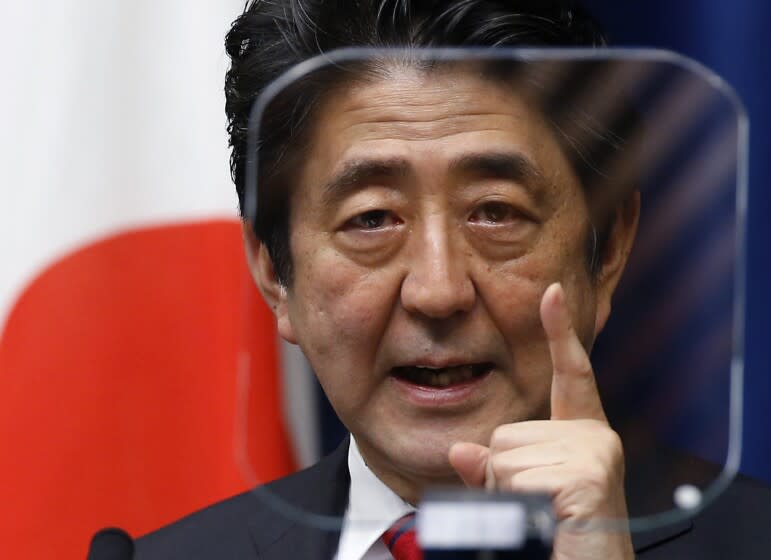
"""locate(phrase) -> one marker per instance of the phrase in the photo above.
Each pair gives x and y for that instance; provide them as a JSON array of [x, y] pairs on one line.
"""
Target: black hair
[[271, 36]]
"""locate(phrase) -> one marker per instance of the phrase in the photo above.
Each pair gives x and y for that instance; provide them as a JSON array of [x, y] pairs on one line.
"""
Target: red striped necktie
[[400, 539]]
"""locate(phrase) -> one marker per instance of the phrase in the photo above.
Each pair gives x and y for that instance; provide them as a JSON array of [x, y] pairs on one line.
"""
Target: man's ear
[[614, 256], [273, 292]]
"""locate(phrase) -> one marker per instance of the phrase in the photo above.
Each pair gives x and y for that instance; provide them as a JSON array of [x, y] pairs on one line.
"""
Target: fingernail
[[559, 292]]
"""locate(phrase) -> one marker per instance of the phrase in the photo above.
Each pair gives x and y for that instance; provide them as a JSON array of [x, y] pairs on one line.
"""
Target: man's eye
[[494, 213], [373, 219]]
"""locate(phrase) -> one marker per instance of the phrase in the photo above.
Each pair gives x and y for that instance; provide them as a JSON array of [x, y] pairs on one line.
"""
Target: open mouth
[[442, 377]]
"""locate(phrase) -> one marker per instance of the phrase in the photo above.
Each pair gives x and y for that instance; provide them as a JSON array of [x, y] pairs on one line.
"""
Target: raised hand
[[575, 456]]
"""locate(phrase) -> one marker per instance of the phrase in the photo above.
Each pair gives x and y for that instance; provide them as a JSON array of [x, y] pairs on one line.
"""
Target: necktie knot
[[401, 540]]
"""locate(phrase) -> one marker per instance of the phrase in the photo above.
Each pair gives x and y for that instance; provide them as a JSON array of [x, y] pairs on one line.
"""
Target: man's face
[[432, 212]]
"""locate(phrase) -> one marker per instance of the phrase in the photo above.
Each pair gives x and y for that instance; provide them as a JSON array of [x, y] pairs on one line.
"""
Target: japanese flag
[[122, 306]]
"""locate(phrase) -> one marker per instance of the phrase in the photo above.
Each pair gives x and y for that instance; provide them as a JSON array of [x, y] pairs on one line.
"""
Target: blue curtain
[[731, 38]]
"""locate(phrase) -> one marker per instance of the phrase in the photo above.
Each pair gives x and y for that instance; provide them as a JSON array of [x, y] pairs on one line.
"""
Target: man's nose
[[437, 283]]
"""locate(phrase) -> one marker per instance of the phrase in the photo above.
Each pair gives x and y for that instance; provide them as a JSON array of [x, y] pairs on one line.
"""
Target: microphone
[[111, 544]]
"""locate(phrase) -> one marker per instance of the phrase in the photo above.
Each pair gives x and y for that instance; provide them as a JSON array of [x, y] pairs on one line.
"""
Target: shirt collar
[[372, 508]]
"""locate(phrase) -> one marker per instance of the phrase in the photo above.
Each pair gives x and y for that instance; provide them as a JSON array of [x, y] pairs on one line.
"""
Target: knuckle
[[615, 445], [575, 511], [499, 438], [612, 449], [604, 439], [596, 479], [499, 466], [581, 498], [583, 365]]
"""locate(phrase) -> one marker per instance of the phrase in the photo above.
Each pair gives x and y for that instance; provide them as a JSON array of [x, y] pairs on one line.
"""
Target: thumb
[[470, 462]]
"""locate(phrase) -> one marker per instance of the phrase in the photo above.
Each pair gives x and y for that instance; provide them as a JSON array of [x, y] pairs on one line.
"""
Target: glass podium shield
[[354, 140]]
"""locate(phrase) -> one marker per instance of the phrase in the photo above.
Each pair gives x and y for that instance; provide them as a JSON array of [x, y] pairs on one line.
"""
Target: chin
[[424, 457], [431, 471]]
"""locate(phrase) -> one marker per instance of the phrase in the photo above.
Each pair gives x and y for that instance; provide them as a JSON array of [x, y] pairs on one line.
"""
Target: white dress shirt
[[372, 508]]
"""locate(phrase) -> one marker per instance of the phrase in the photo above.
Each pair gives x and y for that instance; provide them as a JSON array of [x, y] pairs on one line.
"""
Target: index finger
[[574, 393]]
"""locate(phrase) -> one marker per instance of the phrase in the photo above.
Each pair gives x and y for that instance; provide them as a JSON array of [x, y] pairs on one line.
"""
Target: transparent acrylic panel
[[435, 195]]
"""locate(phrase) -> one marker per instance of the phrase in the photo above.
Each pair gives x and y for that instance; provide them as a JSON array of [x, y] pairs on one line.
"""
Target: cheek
[[340, 314], [339, 310], [512, 296], [512, 292]]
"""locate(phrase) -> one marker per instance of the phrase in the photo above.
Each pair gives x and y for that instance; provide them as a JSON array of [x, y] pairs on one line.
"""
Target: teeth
[[441, 377]]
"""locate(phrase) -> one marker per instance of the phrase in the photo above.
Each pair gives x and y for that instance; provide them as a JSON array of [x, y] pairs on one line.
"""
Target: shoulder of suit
[[222, 530], [734, 525], [223, 524], [743, 508]]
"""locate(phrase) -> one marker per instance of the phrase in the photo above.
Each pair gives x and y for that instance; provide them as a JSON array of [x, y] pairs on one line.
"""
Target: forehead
[[427, 121]]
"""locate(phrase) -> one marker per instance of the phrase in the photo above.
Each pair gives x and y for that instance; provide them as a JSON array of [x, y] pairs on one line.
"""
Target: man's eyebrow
[[511, 166], [359, 173]]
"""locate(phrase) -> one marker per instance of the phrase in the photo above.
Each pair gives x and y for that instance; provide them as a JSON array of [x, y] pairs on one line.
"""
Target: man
[[424, 235]]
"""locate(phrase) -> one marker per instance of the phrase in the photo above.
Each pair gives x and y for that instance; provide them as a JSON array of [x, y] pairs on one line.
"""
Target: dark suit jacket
[[736, 526]]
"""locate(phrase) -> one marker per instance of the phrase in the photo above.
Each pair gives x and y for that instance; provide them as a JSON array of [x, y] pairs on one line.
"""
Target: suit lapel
[[300, 515], [647, 540], [652, 478]]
